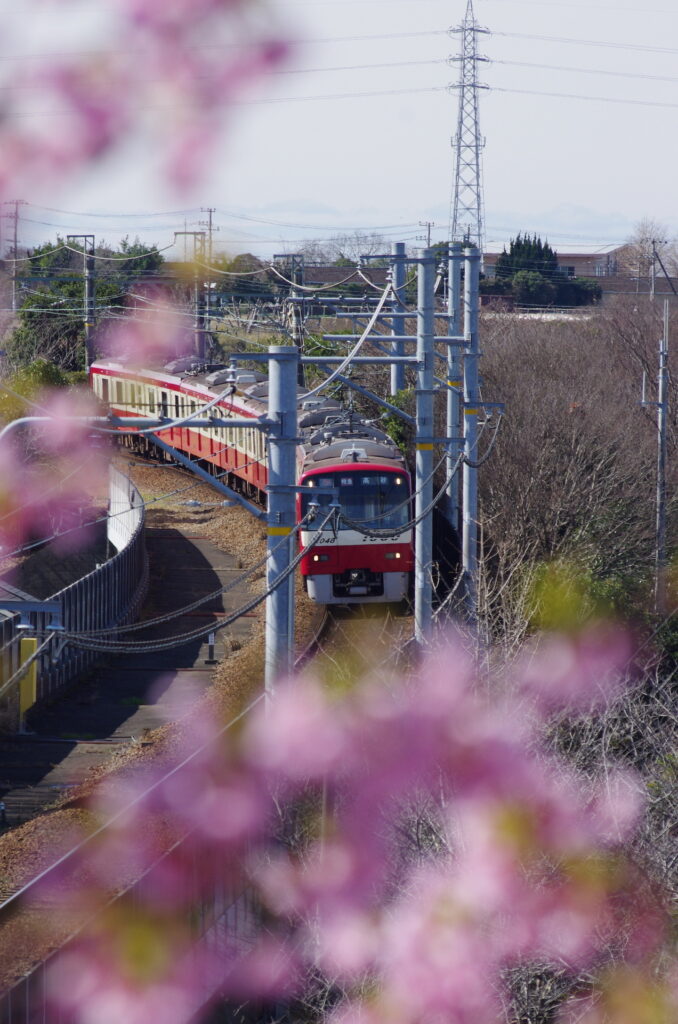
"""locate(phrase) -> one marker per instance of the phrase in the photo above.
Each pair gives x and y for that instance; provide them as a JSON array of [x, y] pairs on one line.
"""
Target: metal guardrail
[[108, 596]]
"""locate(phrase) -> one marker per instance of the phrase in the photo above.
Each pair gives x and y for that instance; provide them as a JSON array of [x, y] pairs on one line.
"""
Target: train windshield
[[370, 498]]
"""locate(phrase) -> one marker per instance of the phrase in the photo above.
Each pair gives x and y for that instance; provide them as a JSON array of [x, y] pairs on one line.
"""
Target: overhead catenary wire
[[122, 259], [356, 348], [180, 640], [139, 799], [396, 531], [145, 503], [213, 595], [407, 501]]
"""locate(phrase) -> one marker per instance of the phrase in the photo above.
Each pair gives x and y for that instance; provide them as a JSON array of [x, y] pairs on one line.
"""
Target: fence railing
[[108, 596]]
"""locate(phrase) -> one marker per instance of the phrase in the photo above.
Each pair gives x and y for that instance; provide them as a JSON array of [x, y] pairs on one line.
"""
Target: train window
[[379, 500], [177, 408], [119, 393], [104, 389]]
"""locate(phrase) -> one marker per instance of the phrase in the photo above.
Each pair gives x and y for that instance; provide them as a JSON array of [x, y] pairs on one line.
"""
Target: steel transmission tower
[[466, 215]]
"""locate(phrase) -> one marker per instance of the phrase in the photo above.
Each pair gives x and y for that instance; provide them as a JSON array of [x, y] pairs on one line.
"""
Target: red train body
[[351, 563]]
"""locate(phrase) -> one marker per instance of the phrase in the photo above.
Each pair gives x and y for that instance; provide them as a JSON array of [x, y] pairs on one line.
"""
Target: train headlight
[[392, 554], [321, 558]]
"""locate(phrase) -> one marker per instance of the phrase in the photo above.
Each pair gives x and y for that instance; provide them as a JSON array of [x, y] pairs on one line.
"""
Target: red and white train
[[350, 563]]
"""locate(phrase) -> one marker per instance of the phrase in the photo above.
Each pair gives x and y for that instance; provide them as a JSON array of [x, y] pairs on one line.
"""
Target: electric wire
[[171, 424], [354, 351], [186, 609], [196, 634], [21, 671], [397, 531], [120, 259], [586, 71], [589, 42], [476, 464], [408, 500], [310, 288], [592, 99], [131, 805], [145, 503], [23, 259]]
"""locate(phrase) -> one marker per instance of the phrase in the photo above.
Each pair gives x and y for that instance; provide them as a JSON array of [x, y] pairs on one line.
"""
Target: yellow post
[[28, 684]]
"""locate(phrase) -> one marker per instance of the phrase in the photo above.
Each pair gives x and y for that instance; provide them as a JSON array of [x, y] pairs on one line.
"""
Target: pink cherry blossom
[[103, 104], [153, 331], [578, 671], [304, 738]]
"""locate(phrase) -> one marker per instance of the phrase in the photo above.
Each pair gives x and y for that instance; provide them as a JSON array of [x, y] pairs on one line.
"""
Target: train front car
[[365, 554]]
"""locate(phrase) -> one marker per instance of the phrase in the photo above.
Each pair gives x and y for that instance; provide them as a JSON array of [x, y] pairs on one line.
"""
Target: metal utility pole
[[423, 539], [199, 329], [467, 215], [282, 415], [471, 410], [398, 280], [455, 379], [88, 246]]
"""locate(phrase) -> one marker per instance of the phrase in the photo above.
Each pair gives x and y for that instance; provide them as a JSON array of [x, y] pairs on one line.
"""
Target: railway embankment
[[127, 714], [125, 707]]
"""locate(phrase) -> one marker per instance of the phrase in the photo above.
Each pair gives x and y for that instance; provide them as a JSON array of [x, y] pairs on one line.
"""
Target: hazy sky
[[305, 159]]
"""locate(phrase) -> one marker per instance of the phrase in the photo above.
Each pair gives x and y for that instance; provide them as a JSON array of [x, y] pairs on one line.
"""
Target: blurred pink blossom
[[160, 55], [152, 331], [531, 866], [578, 671], [303, 739], [52, 474]]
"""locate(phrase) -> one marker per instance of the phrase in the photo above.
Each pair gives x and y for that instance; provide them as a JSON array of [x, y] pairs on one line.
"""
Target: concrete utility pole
[[282, 440], [466, 215], [455, 379], [662, 420], [88, 246], [209, 210], [16, 203], [423, 540], [199, 329], [296, 268], [471, 410], [398, 280], [428, 224]]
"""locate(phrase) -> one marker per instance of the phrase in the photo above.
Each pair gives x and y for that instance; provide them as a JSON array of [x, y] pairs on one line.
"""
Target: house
[[601, 263]]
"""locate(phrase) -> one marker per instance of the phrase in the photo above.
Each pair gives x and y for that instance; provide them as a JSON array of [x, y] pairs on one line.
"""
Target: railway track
[[361, 640]]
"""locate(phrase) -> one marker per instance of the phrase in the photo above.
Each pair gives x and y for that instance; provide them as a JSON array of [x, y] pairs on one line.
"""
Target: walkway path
[[127, 695]]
